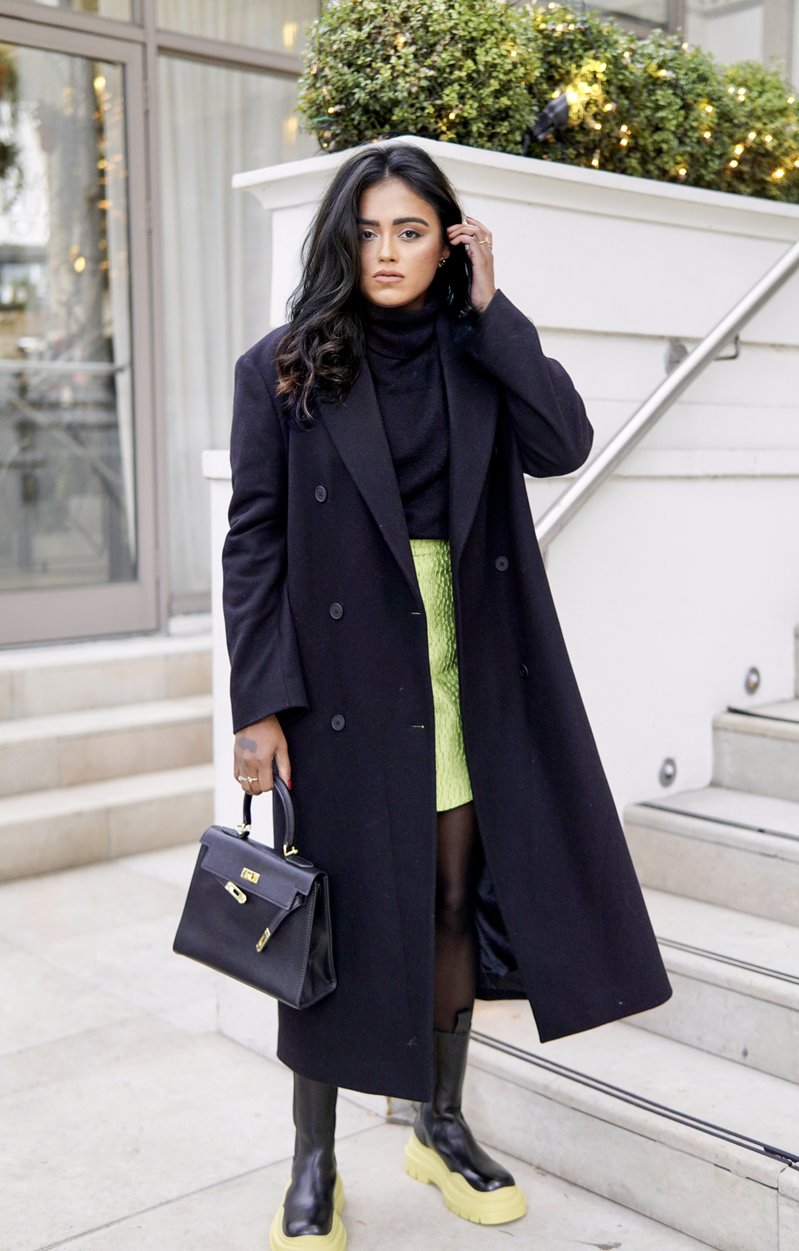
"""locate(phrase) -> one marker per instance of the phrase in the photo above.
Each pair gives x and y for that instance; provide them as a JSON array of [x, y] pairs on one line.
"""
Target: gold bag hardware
[[237, 894], [249, 875], [263, 940]]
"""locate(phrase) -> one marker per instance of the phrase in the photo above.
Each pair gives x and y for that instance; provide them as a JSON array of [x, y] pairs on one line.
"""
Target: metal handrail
[[589, 479]]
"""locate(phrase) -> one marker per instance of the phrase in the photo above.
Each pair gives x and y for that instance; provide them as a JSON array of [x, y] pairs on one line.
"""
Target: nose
[[387, 248]]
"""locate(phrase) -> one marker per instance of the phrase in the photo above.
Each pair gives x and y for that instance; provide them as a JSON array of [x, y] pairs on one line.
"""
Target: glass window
[[277, 25], [66, 405], [215, 122], [120, 9], [729, 32], [648, 12]]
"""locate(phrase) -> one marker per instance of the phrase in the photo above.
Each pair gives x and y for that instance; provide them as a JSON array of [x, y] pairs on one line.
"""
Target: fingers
[[283, 762], [248, 782], [473, 234], [253, 763]]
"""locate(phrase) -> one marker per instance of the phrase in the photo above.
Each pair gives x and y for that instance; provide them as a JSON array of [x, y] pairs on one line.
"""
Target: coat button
[[321, 494], [524, 671], [501, 563], [336, 611], [338, 722]]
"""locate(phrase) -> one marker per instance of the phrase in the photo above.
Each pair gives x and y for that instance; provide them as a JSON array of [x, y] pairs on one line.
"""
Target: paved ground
[[130, 1125]]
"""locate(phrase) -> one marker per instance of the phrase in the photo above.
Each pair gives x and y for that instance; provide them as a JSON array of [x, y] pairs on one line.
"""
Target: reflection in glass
[[276, 25], [119, 9], [66, 421], [215, 122], [648, 12]]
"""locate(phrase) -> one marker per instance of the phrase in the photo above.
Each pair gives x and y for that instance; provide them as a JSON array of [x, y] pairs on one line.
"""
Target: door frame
[[74, 612]]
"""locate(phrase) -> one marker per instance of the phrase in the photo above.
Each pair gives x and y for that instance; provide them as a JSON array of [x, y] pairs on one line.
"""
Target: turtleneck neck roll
[[403, 359], [400, 333]]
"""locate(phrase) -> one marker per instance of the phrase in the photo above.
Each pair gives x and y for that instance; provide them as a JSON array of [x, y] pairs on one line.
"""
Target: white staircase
[[105, 750], [689, 1113]]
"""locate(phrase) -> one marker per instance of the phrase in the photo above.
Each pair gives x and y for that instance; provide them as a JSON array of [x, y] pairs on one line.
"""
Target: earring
[[443, 261]]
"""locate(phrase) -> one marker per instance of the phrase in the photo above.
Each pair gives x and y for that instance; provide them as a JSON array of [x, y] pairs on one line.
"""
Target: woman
[[396, 652]]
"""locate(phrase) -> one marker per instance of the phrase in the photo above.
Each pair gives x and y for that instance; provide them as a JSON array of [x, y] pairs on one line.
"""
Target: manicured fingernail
[[288, 784]]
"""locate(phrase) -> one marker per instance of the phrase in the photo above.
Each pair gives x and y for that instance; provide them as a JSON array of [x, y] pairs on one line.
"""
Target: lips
[[387, 273]]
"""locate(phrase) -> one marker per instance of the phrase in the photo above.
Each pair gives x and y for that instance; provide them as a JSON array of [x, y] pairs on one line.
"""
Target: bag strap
[[281, 792]]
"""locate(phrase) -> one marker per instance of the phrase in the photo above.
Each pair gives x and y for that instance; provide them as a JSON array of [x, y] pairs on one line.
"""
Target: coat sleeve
[[548, 416], [265, 671]]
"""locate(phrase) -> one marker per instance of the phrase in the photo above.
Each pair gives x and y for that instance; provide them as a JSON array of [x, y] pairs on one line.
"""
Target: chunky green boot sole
[[483, 1207], [336, 1240]]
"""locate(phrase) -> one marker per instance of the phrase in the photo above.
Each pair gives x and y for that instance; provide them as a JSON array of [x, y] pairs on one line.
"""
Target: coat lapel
[[356, 428], [472, 406]]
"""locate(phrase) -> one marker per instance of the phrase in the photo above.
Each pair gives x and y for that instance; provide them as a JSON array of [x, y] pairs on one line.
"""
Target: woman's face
[[401, 245]]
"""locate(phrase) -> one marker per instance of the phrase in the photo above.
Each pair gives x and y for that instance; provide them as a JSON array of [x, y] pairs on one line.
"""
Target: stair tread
[[96, 651], [778, 720], [42, 805], [787, 709], [115, 717], [721, 806], [771, 945], [660, 1069]]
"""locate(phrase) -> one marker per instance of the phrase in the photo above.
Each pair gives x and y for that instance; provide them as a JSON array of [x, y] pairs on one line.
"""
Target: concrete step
[[73, 825], [736, 983], [70, 748], [757, 749], [37, 681], [728, 847], [618, 1111]]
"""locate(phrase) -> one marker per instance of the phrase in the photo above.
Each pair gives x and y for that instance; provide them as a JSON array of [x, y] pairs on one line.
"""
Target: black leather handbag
[[258, 915]]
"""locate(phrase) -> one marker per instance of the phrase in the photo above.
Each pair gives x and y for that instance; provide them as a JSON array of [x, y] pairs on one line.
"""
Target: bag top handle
[[282, 792]]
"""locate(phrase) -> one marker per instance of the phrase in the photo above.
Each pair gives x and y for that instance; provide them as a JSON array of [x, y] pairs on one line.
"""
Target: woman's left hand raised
[[477, 240]]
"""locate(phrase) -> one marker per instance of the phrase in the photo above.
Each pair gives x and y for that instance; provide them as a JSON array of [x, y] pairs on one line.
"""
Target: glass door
[[76, 475]]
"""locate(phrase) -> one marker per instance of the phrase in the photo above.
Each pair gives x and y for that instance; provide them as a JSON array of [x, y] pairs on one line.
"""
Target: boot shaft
[[314, 1107], [450, 1051]]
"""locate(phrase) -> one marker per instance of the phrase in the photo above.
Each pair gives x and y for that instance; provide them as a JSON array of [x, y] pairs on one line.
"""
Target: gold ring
[[243, 779], [483, 240]]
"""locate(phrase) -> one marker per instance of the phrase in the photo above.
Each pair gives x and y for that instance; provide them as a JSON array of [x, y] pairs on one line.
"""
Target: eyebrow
[[398, 221]]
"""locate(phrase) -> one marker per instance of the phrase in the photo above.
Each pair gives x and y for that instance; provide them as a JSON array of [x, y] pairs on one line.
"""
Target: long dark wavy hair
[[323, 347]]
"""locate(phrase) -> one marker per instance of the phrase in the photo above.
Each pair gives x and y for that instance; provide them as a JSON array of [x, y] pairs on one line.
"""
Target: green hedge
[[478, 72]]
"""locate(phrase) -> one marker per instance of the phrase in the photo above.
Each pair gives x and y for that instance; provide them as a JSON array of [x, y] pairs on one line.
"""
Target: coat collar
[[356, 428]]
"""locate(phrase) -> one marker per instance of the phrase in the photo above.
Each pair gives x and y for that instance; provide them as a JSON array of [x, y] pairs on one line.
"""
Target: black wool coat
[[326, 627]]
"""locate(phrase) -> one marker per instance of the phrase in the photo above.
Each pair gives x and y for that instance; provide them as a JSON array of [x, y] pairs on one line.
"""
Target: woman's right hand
[[256, 746]]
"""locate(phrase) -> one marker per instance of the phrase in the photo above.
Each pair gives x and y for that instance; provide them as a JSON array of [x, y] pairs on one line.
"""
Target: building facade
[[132, 276]]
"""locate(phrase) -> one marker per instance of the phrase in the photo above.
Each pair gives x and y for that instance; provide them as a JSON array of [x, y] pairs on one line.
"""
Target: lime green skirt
[[434, 574]]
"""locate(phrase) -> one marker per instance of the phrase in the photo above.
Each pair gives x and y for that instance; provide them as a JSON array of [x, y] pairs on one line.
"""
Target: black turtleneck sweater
[[402, 355]]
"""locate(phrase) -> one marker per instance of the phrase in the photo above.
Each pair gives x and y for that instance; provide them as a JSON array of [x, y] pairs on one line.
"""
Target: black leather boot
[[309, 1214], [443, 1150]]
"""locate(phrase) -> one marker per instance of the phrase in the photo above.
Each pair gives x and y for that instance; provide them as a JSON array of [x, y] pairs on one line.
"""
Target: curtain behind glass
[[214, 122], [278, 25]]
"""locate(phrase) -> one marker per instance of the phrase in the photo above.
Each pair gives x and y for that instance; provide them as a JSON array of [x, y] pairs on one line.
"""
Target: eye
[[366, 233], [409, 233]]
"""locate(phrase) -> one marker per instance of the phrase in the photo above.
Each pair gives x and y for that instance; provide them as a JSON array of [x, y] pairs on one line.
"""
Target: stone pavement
[[129, 1124]]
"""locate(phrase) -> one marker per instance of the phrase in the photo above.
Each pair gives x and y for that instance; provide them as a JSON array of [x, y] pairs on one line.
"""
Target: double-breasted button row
[[338, 722], [321, 494], [336, 611], [524, 671], [501, 563]]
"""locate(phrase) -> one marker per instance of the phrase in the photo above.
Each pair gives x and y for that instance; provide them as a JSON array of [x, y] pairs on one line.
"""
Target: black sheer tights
[[458, 865]]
